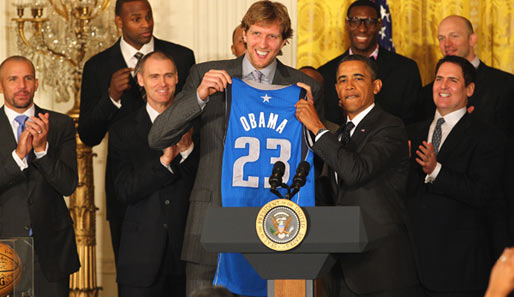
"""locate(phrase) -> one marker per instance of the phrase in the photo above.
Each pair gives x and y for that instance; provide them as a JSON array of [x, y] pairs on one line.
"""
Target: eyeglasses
[[356, 22]]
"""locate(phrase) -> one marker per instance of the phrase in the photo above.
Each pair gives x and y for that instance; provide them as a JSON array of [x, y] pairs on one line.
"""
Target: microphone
[[301, 174], [275, 180], [300, 178]]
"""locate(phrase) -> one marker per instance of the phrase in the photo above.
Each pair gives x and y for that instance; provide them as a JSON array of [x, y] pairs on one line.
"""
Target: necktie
[[139, 56], [21, 119], [345, 135], [436, 137], [257, 76]]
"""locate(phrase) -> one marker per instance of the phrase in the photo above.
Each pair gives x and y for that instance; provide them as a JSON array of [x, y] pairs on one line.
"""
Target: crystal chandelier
[[58, 36]]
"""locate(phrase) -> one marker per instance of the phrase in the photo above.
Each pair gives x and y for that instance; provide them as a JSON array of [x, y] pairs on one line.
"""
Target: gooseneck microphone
[[300, 178], [275, 180]]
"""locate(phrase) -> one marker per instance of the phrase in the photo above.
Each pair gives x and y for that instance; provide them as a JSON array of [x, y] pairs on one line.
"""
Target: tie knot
[[439, 122], [257, 75], [345, 134], [349, 126], [138, 56], [21, 119]]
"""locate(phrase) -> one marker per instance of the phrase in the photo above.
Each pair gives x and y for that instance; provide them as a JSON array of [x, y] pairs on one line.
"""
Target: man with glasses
[[400, 75]]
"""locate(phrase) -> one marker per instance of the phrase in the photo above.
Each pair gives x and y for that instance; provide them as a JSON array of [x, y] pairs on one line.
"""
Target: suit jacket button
[[165, 226], [167, 201]]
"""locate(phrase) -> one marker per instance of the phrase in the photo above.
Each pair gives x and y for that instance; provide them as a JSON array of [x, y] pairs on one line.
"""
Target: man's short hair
[[19, 59], [363, 3], [119, 4], [371, 65], [160, 55], [268, 12], [468, 70], [234, 32]]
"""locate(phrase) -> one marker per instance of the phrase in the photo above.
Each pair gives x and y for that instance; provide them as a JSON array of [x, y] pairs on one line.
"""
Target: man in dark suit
[[155, 186], [400, 75], [492, 102], [109, 92], [267, 27], [38, 167], [368, 167], [455, 172]]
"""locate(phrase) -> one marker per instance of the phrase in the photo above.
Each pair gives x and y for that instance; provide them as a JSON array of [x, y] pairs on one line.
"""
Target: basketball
[[10, 269]]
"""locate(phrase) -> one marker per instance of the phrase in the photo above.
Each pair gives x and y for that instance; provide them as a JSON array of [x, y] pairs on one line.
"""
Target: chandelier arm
[[62, 12]]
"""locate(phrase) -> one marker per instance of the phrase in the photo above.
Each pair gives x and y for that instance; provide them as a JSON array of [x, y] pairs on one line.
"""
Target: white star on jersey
[[265, 98]]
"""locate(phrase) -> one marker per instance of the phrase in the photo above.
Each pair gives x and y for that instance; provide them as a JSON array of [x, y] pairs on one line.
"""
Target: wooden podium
[[331, 230]]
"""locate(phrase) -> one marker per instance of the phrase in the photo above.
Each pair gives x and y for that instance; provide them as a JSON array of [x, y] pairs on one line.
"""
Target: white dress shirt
[[11, 115], [450, 120], [247, 69], [128, 52]]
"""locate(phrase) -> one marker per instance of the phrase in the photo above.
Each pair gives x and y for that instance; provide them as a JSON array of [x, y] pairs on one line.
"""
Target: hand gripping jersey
[[261, 129]]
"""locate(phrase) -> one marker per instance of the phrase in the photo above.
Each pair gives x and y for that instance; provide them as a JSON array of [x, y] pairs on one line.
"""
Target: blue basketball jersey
[[261, 129]]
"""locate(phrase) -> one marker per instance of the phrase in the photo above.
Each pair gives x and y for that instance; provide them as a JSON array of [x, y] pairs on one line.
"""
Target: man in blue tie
[[38, 167]]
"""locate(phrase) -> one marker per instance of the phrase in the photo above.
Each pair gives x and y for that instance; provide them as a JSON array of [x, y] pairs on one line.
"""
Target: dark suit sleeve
[[59, 166], [383, 147], [10, 173], [411, 98], [96, 108], [136, 177], [169, 126], [480, 182]]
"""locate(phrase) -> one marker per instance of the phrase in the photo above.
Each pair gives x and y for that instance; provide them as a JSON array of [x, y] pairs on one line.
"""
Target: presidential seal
[[281, 225]]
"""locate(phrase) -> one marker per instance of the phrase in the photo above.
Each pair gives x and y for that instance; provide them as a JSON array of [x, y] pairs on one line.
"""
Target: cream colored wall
[[205, 26]]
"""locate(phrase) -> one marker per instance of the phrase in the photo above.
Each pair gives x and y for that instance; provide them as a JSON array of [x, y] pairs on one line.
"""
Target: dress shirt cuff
[[116, 103], [21, 163], [187, 152], [40, 155], [168, 167], [430, 178], [318, 136], [201, 102]]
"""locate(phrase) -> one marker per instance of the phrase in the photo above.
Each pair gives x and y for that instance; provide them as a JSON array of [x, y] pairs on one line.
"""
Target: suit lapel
[[33, 179], [362, 130], [143, 123], [478, 94], [235, 67], [116, 60], [384, 67], [282, 76], [454, 139], [6, 132]]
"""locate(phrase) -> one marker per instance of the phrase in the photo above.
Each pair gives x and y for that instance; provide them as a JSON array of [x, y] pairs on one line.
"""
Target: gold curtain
[[322, 37]]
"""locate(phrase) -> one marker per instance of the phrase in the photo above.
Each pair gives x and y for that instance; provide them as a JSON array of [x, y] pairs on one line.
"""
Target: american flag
[[385, 36]]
